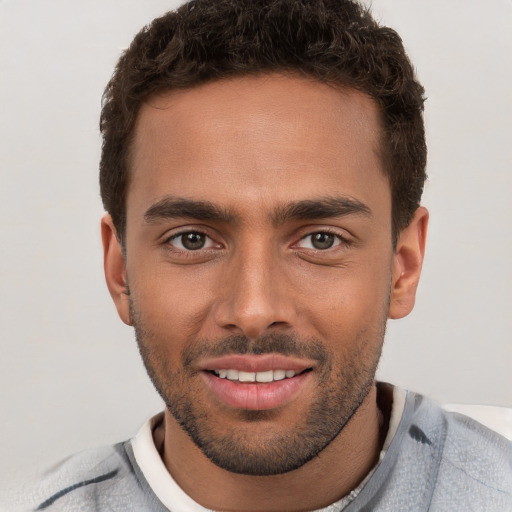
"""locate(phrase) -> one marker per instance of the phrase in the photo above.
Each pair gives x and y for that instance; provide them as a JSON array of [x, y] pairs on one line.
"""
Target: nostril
[[276, 324]]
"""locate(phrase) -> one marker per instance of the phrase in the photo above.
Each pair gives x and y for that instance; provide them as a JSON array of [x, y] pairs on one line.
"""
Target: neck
[[336, 471]]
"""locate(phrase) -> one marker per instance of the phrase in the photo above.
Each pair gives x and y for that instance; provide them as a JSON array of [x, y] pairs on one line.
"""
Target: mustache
[[276, 343]]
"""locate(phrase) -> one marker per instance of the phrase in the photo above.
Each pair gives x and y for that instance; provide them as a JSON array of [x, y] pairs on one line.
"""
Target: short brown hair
[[334, 41]]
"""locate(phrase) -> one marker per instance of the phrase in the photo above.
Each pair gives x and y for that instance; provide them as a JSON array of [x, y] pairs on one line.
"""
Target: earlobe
[[115, 269], [407, 263]]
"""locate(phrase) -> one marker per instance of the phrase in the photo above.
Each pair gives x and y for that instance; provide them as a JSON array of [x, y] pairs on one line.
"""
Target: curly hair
[[333, 41]]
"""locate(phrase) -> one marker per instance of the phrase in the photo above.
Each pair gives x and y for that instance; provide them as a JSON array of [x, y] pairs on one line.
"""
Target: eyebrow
[[324, 208], [171, 207]]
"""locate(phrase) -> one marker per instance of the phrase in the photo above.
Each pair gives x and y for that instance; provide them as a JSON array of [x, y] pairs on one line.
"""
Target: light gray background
[[70, 373]]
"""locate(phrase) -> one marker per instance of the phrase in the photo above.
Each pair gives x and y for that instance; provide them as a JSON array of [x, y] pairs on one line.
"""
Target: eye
[[191, 241], [321, 240]]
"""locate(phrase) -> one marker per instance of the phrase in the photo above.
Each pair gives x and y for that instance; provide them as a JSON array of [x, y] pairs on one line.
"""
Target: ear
[[115, 269], [407, 262]]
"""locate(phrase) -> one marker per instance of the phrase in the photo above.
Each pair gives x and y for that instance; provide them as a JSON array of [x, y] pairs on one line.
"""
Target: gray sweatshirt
[[436, 462]]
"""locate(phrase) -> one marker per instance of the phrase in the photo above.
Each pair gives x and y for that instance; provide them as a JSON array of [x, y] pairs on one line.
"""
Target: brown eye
[[193, 241], [322, 240]]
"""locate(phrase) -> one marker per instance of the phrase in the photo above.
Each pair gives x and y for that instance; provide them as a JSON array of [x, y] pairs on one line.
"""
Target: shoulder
[[474, 470], [477, 457], [96, 479]]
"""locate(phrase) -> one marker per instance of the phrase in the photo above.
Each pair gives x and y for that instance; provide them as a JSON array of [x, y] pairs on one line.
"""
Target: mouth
[[263, 376], [249, 382]]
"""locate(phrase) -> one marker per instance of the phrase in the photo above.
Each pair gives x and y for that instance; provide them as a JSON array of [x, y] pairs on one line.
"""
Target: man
[[262, 170]]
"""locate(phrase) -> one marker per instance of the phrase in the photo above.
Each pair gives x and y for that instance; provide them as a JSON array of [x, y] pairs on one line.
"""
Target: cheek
[[173, 302], [347, 302]]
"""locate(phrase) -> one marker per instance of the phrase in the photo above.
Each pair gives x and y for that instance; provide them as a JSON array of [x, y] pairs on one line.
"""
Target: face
[[260, 264]]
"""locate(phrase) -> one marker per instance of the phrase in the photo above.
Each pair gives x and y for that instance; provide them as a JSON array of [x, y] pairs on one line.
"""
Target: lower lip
[[255, 396]]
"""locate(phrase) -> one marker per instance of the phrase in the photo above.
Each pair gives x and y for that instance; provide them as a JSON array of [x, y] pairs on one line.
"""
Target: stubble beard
[[342, 384]]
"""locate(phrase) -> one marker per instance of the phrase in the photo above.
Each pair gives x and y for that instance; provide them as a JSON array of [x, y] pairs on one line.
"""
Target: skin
[[252, 146]]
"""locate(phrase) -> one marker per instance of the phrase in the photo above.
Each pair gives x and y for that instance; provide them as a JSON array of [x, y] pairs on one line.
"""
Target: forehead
[[257, 139]]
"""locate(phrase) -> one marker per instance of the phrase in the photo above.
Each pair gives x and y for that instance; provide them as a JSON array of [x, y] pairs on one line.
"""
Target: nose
[[255, 296]]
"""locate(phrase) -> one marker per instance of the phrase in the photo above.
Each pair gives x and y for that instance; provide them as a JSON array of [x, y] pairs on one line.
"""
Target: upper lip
[[255, 363]]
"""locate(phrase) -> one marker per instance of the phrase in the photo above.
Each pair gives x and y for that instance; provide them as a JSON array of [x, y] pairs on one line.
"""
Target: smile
[[264, 376], [256, 383]]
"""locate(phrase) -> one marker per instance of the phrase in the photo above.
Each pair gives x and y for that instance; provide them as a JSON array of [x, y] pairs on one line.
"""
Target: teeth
[[265, 376], [246, 376], [232, 374], [279, 374], [268, 376]]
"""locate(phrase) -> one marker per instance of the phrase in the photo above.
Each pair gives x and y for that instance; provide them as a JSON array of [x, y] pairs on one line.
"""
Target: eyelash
[[339, 241], [180, 234]]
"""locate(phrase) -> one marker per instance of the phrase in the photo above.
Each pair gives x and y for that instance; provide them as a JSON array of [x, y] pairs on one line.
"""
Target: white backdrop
[[70, 373]]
